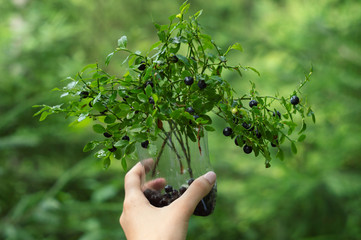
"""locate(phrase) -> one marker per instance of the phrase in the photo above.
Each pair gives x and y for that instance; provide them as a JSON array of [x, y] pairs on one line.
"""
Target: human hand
[[141, 220]]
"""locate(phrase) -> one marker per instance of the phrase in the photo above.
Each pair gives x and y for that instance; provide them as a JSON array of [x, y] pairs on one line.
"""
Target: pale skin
[[141, 220]]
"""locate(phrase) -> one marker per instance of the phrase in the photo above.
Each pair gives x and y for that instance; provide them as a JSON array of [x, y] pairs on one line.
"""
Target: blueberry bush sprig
[[178, 83]]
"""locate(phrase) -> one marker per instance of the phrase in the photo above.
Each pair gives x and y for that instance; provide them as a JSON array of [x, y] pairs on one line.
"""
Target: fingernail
[[211, 177]]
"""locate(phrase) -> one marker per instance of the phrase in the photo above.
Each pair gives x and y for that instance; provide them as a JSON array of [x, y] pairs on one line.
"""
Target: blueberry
[[145, 144], [237, 141], [151, 100], [190, 181], [108, 135], [202, 84], [148, 83], [174, 59], [278, 114], [247, 149], [188, 81], [295, 100], [258, 134], [227, 131], [142, 66], [84, 94], [113, 149], [168, 189], [253, 103], [182, 190], [246, 125], [195, 117], [126, 138], [190, 110]]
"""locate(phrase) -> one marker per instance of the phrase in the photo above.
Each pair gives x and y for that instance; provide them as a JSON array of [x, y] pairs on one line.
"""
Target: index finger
[[135, 177]]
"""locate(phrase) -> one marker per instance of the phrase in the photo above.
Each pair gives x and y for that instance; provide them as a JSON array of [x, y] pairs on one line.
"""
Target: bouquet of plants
[[171, 93]]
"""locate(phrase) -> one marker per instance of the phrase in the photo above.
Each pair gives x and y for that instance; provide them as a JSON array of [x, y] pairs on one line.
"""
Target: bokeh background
[[50, 189]]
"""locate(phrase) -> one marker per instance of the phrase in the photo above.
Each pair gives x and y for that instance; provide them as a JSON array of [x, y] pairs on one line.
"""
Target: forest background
[[50, 189]]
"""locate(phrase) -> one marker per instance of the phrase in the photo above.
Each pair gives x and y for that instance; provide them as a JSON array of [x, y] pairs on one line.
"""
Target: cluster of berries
[[253, 103], [159, 199]]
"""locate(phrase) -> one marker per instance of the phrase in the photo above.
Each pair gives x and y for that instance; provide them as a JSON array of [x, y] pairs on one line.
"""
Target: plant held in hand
[[184, 68]]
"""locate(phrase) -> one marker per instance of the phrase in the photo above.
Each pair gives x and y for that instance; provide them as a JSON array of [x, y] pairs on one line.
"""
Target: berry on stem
[[278, 114], [227, 131], [168, 189], [247, 149], [190, 110], [148, 83], [295, 100], [142, 66], [151, 100], [253, 103], [126, 138], [188, 80], [145, 144], [202, 84], [107, 135], [84, 94]]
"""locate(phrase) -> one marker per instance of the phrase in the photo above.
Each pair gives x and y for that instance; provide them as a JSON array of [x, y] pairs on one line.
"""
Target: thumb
[[195, 192]]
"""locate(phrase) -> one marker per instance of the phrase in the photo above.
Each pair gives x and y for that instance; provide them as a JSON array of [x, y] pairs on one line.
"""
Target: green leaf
[[209, 128], [98, 128], [293, 147], [130, 148], [148, 90], [82, 116], [90, 146], [43, 116], [304, 126], [280, 154], [235, 46], [107, 60], [122, 42], [124, 163], [183, 59], [301, 138], [110, 119], [99, 107], [142, 97], [106, 163], [121, 143]]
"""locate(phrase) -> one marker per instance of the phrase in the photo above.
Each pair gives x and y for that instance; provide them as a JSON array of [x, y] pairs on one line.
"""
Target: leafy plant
[[179, 83]]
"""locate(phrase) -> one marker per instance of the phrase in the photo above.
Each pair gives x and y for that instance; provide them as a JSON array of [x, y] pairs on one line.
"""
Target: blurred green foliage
[[51, 190]]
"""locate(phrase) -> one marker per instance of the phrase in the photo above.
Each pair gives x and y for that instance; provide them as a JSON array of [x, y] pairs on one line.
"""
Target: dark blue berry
[[190, 110], [168, 189], [108, 135], [126, 138], [295, 100], [142, 66], [246, 125], [144, 144], [84, 94], [227, 131], [202, 84], [195, 117], [188, 81], [148, 83], [151, 100], [182, 190], [247, 149], [253, 103], [174, 59], [113, 149], [278, 114], [190, 181]]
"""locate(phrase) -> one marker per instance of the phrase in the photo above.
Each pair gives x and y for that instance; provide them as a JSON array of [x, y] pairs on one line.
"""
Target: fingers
[[135, 176], [195, 192], [156, 184]]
